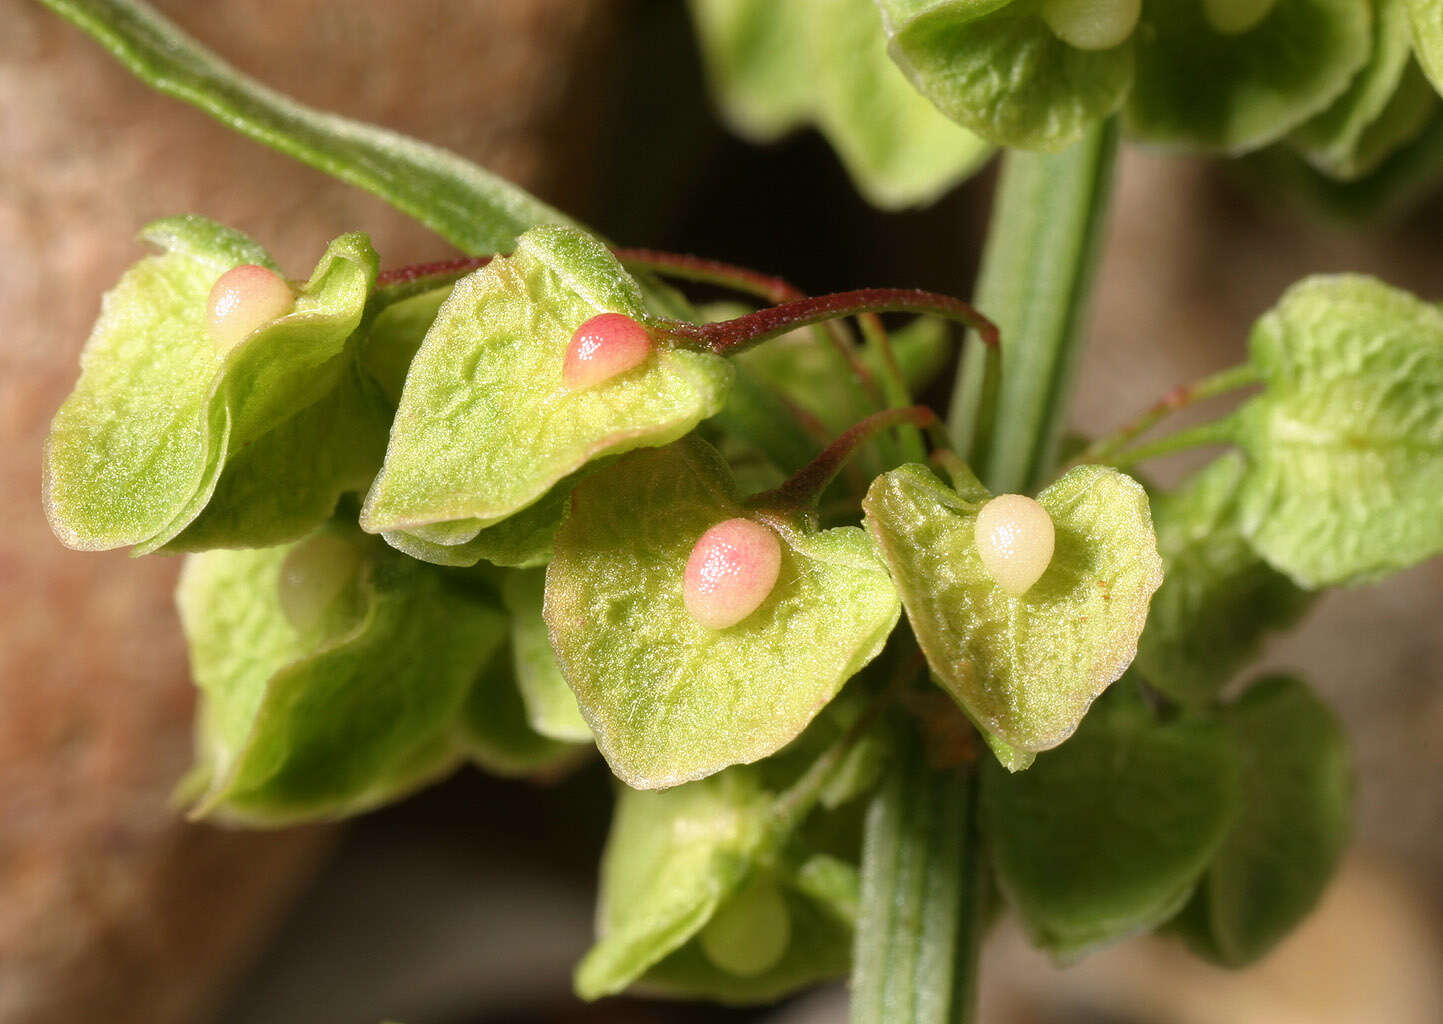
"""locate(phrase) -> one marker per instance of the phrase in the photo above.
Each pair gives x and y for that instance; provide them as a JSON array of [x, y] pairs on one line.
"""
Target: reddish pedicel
[[244, 298], [730, 572], [601, 348]]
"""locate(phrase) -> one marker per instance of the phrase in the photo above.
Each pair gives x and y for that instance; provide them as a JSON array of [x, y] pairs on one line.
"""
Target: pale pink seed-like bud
[[244, 298], [730, 572], [1015, 538], [605, 346]]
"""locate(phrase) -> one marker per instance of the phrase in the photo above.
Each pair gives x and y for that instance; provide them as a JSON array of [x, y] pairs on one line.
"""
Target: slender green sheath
[[1035, 281], [467, 205], [921, 915]]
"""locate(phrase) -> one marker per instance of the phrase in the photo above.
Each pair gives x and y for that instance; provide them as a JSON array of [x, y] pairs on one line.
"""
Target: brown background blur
[[471, 902]]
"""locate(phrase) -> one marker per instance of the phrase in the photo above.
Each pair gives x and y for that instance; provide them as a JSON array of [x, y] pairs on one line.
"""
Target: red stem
[[745, 331], [441, 268], [806, 486]]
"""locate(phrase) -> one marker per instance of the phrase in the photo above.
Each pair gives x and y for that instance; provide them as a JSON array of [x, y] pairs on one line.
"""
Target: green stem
[[894, 384], [1231, 379], [1036, 277], [1222, 431], [924, 888]]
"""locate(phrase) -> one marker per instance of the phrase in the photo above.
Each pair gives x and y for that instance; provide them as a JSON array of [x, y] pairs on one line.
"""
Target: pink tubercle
[[603, 347], [243, 299], [731, 571]]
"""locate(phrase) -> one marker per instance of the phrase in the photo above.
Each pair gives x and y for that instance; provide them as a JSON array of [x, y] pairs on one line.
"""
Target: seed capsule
[[1233, 17], [313, 577], [751, 931], [730, 572], [603, 347], [1091, 24], [244, 298], [1015, 539]]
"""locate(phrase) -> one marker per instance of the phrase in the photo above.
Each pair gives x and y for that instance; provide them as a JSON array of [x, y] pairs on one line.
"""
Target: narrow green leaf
[[137, 450], [331, 673], [1218, 599], [923, 898], [471, 207], [997, 68], [1036, 280], [1024, 668], [550, 705], [668, 699], [1106, 836], [489, 371], [1234, 92], [1292, 829], [1346, 444]]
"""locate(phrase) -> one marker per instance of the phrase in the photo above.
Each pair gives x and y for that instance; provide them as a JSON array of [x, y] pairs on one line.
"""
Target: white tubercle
[[750, 932], [603, 347], [1015, 539], [1233, 17], [1092, 24], [243, 299], [732, 569], [313, 576]]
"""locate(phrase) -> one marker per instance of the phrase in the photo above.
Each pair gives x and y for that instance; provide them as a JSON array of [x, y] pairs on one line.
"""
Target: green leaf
[[331, 673], [489, 371], [1346, 444], [924, 892], [1218, 599], [1201, 88], [675, 859], [996, 68], [1387, 104], [667, 699], [495, 730], [1025, 668], [138, 449], [900, 149], [755, 56], [550, 705], [471, 207], [1428, 38], [1291, 830], [1106, 836]]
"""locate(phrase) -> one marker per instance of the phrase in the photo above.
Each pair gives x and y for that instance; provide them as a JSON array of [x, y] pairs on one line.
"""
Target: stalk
[[1036, 277]]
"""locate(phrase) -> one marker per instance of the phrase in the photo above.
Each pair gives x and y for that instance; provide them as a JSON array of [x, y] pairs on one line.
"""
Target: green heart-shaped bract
[[667, 699], [996, 68], [672, 861], [1427, 20], [1218, 598], [486, 427], [1106, 836], [1200, 88], [136, 452], [1292, 826], [1387, 104], [1024, 668], [1345, 481], [334, 716]]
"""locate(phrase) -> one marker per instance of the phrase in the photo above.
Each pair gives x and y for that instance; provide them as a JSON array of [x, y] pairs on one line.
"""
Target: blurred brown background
[[112, 908]]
